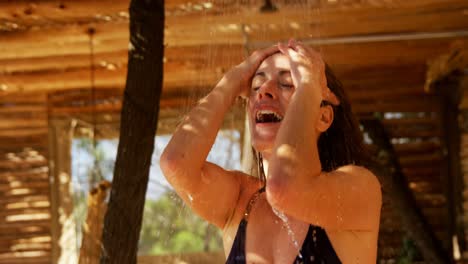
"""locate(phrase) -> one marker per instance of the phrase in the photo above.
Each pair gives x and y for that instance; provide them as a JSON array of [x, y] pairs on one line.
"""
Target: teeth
[[260, 113]]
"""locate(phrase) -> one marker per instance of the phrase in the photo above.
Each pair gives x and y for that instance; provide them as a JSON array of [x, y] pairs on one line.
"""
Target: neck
[[266, 158]]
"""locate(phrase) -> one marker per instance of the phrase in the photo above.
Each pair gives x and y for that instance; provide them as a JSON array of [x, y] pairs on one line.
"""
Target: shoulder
[[363, 187], [358, 173]]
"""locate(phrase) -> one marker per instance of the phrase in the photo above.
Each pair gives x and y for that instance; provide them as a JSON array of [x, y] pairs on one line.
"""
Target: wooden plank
[[14, 110], [14, 144], [22, 122], [21, 185], [12, 178], [22, 164], [24, 132], [22, 192], [226, 28], [26, 238], [29, 260], [421, 160], [187, 73], [38, 256], [22, 99], [26, 247], [222, 55], [104, 79], [425, 187], [385, 92], [413, 131], [9, 236], [21, 214], [60, 63], [420, 104], [193, 79]]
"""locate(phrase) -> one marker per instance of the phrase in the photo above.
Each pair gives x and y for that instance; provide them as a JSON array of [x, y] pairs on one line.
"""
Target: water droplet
[[291, 234]]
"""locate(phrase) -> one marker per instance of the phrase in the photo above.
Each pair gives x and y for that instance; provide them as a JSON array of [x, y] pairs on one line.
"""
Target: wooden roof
[[379, 49]]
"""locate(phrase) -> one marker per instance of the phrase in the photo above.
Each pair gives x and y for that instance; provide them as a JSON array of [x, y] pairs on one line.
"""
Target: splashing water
[[291, 234]]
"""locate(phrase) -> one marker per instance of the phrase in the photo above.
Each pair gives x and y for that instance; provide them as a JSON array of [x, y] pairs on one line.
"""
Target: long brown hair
[[342, 143]]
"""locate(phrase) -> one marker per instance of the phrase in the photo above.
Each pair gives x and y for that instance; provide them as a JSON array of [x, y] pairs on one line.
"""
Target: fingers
[[259, 55]]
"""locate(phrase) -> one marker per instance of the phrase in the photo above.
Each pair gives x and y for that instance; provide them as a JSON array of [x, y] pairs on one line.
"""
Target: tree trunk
[[391, 177], [139, 118]]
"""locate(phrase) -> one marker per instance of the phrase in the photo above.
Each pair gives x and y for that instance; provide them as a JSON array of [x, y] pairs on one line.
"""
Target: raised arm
[[347, 198], [208, 189]]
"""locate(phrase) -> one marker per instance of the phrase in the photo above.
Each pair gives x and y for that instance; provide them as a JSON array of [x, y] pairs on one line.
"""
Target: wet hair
[[342, 143]]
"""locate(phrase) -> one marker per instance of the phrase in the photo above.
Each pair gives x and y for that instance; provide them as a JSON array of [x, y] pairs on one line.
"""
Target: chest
[[269, 237]]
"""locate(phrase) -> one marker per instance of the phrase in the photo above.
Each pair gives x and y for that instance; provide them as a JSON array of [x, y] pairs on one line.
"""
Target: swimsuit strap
[[252, 202]]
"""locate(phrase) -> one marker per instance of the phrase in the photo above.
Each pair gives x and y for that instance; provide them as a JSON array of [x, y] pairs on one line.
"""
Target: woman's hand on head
[[307, 69], [242, 74]]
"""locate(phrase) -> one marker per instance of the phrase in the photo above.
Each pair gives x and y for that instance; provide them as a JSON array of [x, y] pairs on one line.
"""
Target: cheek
[[286, 96]]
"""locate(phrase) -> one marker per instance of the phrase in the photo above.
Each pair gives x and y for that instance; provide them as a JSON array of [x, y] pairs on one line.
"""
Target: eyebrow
[[281, 73], [262, 74]]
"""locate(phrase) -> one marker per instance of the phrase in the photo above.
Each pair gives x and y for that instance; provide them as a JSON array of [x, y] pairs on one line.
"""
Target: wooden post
[[392, 179], [450, 93], [139, 118], [464, 174], [63, 224], [90, 250]]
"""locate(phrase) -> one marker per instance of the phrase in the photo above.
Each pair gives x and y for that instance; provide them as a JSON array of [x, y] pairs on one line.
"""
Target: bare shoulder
[[359, 173], [355, 169], [248, 186]]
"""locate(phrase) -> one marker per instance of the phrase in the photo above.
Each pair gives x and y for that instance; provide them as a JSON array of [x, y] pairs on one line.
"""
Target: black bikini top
[[316, 248]]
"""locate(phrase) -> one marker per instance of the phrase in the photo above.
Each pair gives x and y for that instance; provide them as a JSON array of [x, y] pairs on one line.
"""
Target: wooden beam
[[408, 104], [226, 28]]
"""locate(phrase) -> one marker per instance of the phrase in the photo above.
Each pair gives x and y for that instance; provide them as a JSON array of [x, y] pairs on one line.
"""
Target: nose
[[267, 90]]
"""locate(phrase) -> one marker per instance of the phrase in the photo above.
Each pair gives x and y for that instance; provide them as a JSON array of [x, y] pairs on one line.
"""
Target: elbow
[[170, 165]]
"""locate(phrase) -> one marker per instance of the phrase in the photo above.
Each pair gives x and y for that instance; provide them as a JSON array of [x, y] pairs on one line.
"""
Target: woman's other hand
[[308, 69], [241, 75]]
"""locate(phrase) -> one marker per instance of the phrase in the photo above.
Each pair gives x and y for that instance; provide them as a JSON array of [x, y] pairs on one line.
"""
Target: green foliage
[[408, 252], [170, 227]]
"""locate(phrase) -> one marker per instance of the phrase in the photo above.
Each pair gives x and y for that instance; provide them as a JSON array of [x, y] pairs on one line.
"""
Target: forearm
[[295, 159], [191, 142]]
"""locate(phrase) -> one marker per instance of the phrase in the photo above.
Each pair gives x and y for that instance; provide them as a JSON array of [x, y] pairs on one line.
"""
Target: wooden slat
[[222, 55], [59, 63], [22, 164], [26, 238], [421, 160], [413, 132], [25, 192], [420, 104], [22, 122], [221, 29], [24, 132], [419, 147], [21, 185], [27, 247]]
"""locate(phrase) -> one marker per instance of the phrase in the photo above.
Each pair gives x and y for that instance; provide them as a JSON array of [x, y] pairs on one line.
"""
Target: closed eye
[[286, 85]]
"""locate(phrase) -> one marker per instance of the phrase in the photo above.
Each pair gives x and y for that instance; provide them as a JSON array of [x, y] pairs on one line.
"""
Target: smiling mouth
[[267, 116]]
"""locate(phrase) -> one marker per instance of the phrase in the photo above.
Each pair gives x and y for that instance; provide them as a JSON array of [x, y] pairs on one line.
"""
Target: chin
[[262, 144], [263, 136]]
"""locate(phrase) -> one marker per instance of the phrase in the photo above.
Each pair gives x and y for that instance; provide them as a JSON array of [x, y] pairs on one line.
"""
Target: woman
[[311, 204]]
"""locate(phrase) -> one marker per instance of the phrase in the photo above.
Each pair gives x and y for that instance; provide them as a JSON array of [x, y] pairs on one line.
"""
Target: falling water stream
[[214, 60], [260, 32], [291, 234]]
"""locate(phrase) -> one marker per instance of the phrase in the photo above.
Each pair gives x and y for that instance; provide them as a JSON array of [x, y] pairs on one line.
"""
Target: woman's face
[[271, 91]]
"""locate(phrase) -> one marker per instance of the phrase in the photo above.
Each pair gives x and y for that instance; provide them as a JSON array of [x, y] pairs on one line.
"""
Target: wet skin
[[345, 202]]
